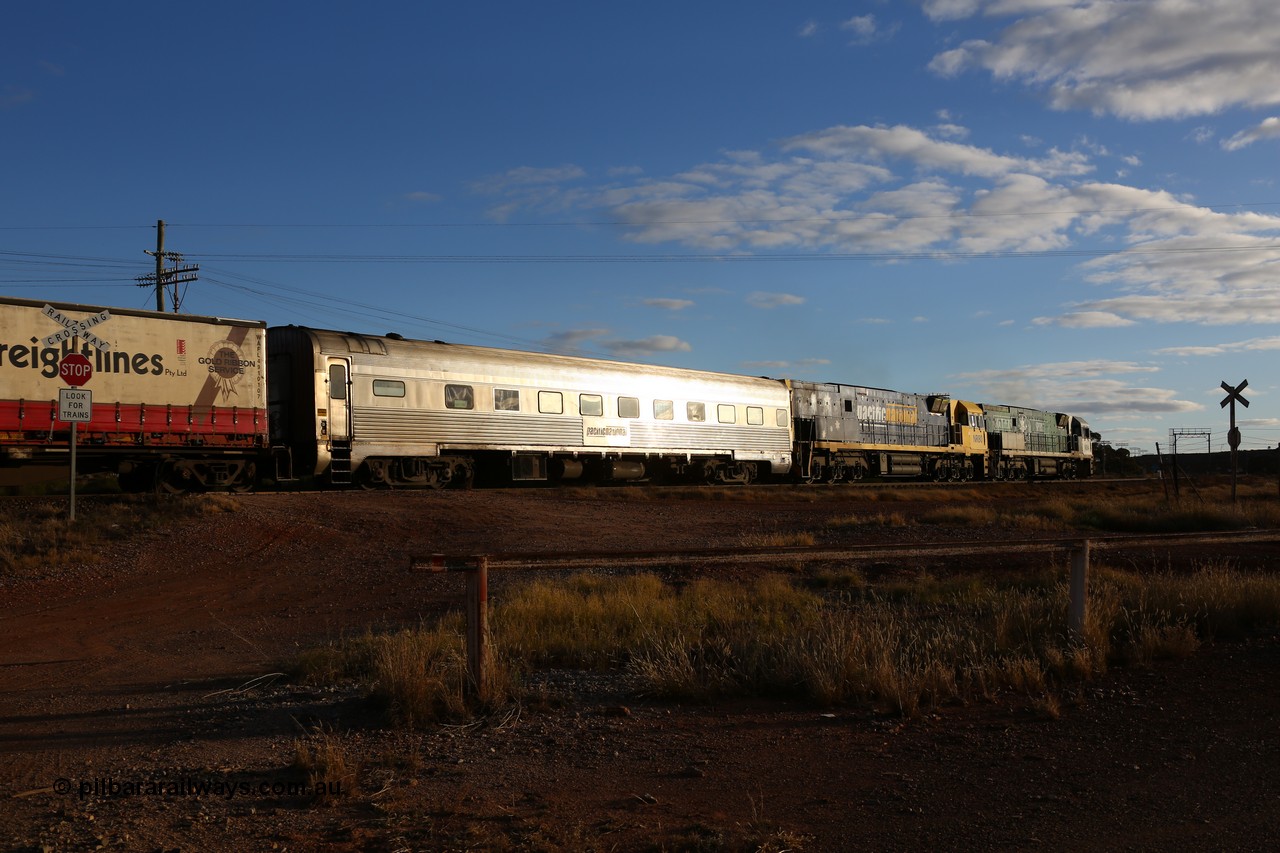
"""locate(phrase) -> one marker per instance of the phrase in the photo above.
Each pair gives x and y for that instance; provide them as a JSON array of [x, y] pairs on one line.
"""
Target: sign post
[[75, 405], [1233, 435]]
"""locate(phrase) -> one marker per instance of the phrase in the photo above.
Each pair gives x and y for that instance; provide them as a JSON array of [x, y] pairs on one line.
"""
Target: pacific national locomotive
[[183, 402]]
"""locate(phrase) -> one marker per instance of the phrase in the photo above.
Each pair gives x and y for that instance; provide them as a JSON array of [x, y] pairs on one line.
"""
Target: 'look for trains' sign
[[75, 404]]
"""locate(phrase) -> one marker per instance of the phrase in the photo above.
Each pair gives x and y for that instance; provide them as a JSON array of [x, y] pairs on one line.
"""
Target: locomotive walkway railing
[[476, 568]]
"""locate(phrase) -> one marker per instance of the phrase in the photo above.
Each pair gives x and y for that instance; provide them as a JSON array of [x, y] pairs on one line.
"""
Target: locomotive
[[182, 402]]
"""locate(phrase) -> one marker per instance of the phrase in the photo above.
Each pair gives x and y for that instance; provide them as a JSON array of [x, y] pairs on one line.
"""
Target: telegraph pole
[[167, 277], [160, 265]]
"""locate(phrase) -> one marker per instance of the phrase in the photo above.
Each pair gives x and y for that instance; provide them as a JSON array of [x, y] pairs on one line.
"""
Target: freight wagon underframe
[[163, 447]]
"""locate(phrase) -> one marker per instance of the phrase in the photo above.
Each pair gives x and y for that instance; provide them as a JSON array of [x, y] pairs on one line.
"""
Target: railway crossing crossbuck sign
[[1233, 434]]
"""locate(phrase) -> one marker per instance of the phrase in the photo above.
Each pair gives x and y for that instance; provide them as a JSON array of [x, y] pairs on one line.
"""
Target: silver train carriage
[[387, 411]]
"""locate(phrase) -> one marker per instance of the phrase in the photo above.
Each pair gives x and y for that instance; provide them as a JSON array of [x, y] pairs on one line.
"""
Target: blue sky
[[1058, 203]]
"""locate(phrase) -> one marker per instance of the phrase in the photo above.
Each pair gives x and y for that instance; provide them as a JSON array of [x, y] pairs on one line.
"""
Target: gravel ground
[[142, 706]]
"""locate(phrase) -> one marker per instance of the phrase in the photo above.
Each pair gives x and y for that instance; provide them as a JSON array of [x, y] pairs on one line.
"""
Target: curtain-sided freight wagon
[[179, 401]]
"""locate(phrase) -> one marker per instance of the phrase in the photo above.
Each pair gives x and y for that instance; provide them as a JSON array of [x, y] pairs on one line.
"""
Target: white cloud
[[865, 30], [951, 131], [897, 193], [528, 187], [1268, 129], [808, 29], [1137, 59], [863, 25], [574, 341], [15, 96], [1202, 134], [1080, 388], [669, 304], [1085, 320], [526, 176], [916, 146], [769, 301], [646, 346], [1251, 345], [423, 197]]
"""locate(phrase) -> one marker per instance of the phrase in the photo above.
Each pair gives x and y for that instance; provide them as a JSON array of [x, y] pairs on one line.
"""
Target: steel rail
[[827, 553]]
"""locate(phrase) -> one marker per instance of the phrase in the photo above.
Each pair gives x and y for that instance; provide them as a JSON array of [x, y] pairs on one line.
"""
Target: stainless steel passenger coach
[[386, 411]]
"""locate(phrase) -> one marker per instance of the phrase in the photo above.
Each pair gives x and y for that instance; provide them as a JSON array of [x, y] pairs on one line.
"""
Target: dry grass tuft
[[37, 535], [326, 764], [901, 646]]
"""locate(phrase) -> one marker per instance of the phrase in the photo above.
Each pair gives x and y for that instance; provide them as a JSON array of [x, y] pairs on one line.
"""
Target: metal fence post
[[478, 627], [477, 571], [1079, 609]]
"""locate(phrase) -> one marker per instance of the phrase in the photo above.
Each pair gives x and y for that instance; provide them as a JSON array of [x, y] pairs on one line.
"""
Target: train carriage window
[[388, 388], [591, 405], [781, 417], [664, 410], [726, 413], [459, 397], [551, 402], [628, 407], [696, 412], [505, 400], [755, 416], [848, 405]]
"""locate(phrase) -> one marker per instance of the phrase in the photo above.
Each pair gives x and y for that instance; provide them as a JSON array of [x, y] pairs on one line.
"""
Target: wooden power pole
[[167, 277]]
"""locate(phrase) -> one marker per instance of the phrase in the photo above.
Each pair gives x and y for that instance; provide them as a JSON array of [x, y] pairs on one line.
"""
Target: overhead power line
[[790, 257]]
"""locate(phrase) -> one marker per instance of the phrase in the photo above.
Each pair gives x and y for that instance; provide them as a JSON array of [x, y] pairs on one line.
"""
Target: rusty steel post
[[477, 570], [1079, 608], [478, 627]]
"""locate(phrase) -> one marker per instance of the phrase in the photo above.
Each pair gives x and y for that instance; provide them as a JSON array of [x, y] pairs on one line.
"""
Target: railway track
[[823, 553]]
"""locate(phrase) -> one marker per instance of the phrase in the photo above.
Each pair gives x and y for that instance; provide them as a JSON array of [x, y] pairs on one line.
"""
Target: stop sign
[[75, 369]]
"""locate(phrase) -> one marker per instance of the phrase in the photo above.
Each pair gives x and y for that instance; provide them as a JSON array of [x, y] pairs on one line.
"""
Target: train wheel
[[464, 477], [245, 482], [173, 478], [364, 478]]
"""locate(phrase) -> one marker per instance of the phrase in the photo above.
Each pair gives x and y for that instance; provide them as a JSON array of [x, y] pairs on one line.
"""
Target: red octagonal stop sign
[[75, 369]]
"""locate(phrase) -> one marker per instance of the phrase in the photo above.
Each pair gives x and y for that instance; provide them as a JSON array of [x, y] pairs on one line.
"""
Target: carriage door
[[339, 385]]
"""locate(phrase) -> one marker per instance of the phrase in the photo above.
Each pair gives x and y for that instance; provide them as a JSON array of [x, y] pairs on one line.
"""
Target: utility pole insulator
[[167, 276]]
